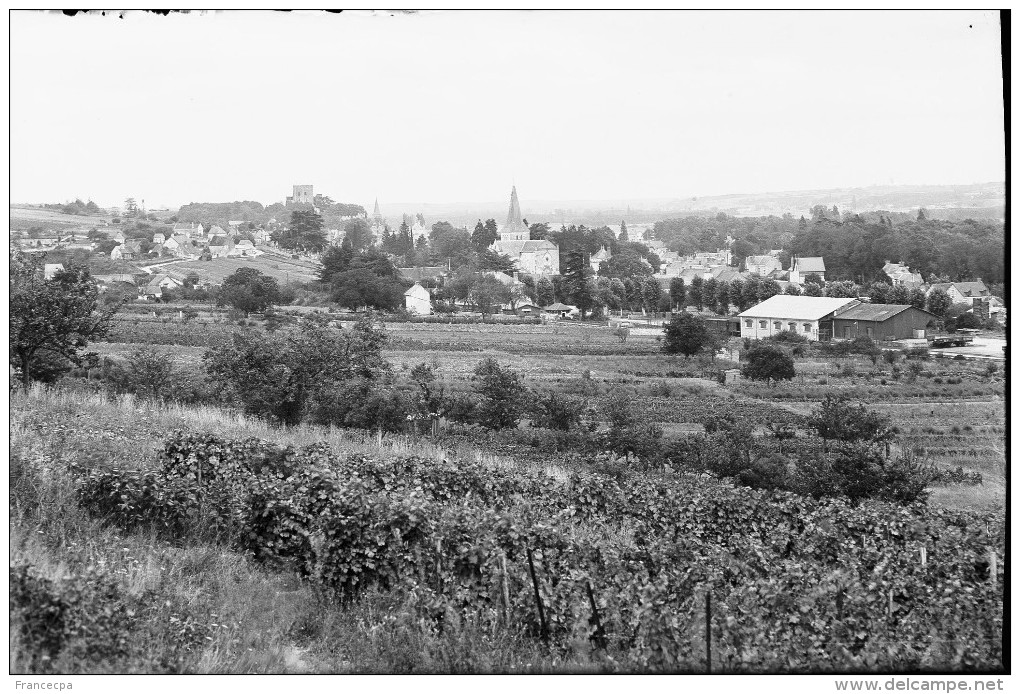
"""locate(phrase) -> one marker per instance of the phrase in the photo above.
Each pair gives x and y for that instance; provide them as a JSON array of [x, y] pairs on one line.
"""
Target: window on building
[[763, 323], [871, 332], [793, 327], [748, 322], [807, 327], [778, 325]]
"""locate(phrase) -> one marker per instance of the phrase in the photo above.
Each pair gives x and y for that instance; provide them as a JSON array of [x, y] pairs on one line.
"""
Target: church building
[[532, 257]]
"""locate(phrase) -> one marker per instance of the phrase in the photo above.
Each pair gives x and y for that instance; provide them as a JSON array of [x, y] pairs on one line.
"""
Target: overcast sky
[[444, 107]]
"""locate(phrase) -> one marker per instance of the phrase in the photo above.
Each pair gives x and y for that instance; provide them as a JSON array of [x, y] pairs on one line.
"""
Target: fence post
[[600, 634], [708, 632], [506, 589], [538, 598], [993, 567]]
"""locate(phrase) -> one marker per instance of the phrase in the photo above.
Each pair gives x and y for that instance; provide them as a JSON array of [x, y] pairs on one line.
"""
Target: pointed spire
[[376, 212], [514, 223]]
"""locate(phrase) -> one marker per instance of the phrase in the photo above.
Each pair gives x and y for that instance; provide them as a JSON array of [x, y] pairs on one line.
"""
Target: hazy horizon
[[452, 108]]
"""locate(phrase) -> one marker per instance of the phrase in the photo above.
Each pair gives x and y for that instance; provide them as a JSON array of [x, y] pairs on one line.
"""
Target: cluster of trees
[[365, 279], [80, 208], [855, 246], [334, 214]]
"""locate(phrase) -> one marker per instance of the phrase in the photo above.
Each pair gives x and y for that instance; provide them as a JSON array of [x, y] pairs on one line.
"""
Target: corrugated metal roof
[[872, 312], [784, 306]]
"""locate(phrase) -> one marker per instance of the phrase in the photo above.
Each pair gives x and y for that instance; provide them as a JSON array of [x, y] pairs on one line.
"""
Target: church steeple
[[514, 229], [376, 213]]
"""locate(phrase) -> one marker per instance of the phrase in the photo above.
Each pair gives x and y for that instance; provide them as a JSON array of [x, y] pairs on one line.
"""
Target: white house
[[418, 300], [762, 265], [963, 292], [802, 267], [810, 316], [900, 275]]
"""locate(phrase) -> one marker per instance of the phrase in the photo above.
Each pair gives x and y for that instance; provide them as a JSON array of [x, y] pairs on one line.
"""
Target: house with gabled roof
[[881, 322], [188, 229], [762, 264], [810, 316], [901, 276], [962, 292], [800, 268], [600, 256], [418, 300]]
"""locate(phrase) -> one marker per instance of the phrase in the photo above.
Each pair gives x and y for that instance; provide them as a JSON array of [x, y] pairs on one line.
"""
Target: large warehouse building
[[881, 322]]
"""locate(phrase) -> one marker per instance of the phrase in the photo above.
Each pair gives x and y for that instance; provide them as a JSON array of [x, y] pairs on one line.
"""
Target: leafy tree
[[625, 263], [484, 235], [839, 419], [651, 291], [545, 291], [501, 395], [768, 363], [722, 298], [624, 236], [358, 234], [288, 375], [335, 260], [248, 290], [576, 283], [708, 292], [878, 292], [677, 292], [539, 231], [898, 295], [488, 294], [921, 216], [813, 285], [917, 298], [555, 411], [685, 334], [359, 287], [52, 319], [491, 260], [793, 290], [304, 233], [696, 293], [844, 289], [939, 301]]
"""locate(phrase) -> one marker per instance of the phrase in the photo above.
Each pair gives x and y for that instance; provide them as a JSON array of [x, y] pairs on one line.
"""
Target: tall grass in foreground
[[87, 598]]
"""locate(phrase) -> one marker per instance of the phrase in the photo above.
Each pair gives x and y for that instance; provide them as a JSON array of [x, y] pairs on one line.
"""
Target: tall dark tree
[[482, 238], [576, 283], [52, 319], [624, 236], [304, 233], [677, 293], [651, 291], [708, 292], [696, 292], [546, 293], [938, 302], [539, 231], [722, 298]]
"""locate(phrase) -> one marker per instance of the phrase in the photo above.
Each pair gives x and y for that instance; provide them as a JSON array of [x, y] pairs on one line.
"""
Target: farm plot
[[284, 270]]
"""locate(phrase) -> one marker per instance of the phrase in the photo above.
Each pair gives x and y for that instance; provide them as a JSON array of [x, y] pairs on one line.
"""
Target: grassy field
[[283, 268], [25, 217]]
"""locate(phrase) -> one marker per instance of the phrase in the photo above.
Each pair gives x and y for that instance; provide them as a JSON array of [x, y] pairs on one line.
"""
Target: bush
[[500, 392], [768, 363], [554, 411], [788, 337]]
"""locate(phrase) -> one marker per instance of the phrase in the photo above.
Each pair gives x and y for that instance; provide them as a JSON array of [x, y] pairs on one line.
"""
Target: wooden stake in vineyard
[[600, 634], [708, 632], [538, 598]]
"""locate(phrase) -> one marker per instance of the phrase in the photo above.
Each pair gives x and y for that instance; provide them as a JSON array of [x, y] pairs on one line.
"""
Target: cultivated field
[[284, 269]]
